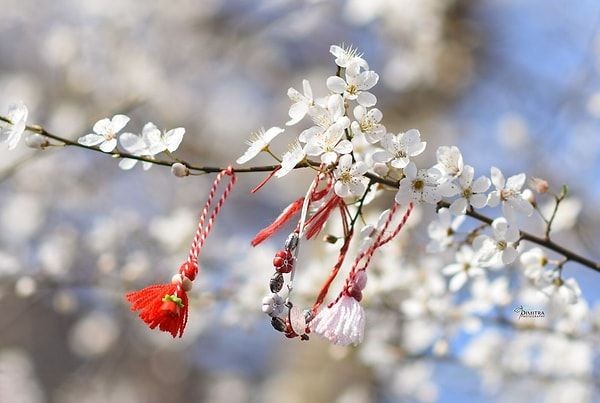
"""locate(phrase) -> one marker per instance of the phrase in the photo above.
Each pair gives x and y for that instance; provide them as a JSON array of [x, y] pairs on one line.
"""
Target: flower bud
[[539, 185], [179, 170], [37, 141]]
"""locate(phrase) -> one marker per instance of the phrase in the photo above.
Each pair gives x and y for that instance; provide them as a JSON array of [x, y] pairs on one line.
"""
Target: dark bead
[[276, 283], [278, 324]]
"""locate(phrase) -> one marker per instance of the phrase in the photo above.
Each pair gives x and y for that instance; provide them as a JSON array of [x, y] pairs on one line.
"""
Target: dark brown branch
[[544, 242]]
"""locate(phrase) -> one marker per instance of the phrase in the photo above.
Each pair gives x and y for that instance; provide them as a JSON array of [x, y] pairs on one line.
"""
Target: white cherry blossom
[[105, 133], [144, 145], [508, 191], [258, 142], [348, 57], [290, 159], [467, 266], [349, 177], [368, 123], [566, 292], [500, 247], [534, 262], [399, 148], [301, 103], [11, 133], [167, 140], [441, 231], [471, 193], [330, 117], [326, 139], [450, 161], [355, 87], [328, 145], [417, 186]]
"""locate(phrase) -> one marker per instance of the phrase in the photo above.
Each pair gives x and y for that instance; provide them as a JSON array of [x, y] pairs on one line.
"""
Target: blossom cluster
[[346, 134]]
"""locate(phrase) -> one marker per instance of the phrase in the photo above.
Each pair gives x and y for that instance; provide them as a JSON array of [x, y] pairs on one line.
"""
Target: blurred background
[[513, 83]]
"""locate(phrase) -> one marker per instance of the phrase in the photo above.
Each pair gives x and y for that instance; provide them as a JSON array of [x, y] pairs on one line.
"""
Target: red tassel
[[318, 220], [284, 217], [162, 305]]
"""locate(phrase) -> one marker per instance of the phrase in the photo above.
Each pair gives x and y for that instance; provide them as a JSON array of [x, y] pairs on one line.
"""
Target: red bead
[[282, 254], [170, 308], [278, 261], [285, 268]]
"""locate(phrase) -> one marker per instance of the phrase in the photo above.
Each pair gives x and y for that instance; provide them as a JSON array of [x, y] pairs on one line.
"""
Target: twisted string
[[398, 228], [377, 243], [203, 230]]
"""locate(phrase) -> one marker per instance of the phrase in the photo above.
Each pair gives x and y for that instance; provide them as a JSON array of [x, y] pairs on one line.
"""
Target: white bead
[[268, 299], [267, 308], [176, 279], [186, 284]]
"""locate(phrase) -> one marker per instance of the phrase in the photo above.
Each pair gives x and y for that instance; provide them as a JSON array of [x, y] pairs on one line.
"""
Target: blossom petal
[[478, 200], [358, 187], [459, 206], [296, 113], [497, 178], [173, 138], [381, 156], [127, 163], [516, 182], [90, 139], [367, 80], [359, 169], [480, 185], [132, 143], [345, 163], [336, 84], [343, 147], [509, 255], [341, 189], [118, 122], [250, 153], [109, 145], [366, 99], [466, 178], [103, 126], [457, 281]]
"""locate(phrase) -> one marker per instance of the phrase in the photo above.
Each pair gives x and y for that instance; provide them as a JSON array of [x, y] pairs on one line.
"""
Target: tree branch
[[544, 242]]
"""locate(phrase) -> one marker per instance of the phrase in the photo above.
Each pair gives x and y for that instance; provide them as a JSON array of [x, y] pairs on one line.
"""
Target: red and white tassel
[[166, 306], [342, 323]]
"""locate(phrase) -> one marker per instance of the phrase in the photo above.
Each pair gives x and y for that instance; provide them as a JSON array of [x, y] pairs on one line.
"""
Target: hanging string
[[166, 305], [203, 230]]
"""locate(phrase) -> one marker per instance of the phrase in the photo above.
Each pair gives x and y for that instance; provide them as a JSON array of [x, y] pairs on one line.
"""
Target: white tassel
[[343, 323]]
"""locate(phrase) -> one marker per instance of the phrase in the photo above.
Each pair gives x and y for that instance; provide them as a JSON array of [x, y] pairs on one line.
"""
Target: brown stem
[[544, 242]]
